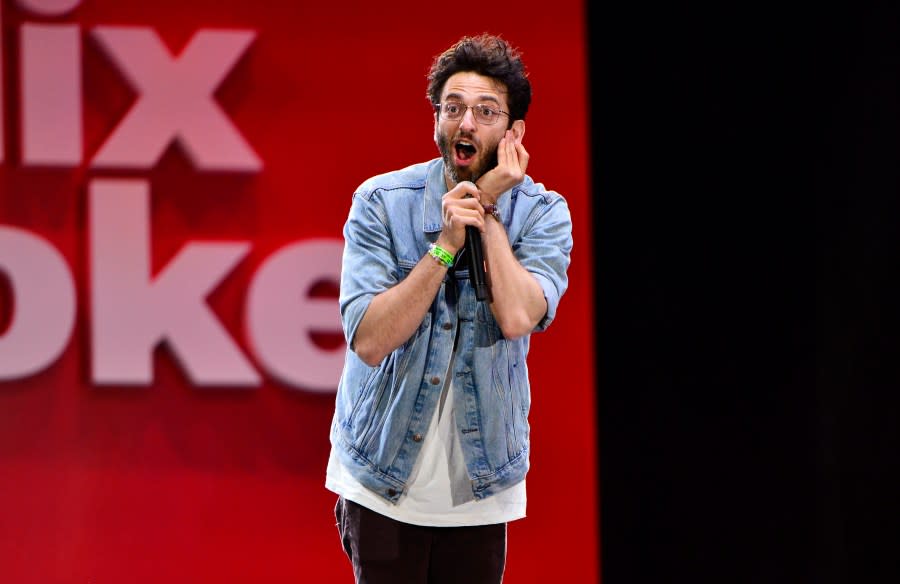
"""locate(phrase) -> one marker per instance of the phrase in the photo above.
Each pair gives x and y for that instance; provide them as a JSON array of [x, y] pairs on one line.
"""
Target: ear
[[435, 128], [518, 130]]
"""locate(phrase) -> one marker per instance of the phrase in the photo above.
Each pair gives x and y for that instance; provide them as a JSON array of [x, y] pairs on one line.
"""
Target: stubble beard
[[472, 173]]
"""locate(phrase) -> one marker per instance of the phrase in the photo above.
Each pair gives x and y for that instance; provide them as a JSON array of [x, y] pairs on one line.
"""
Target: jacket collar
[[435, 189]]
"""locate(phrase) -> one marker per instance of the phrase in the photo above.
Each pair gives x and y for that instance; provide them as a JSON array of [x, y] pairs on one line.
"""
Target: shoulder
[[410, 179], [530, 195]]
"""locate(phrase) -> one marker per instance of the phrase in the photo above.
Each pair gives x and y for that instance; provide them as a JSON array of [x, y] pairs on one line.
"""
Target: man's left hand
[[512, 160]]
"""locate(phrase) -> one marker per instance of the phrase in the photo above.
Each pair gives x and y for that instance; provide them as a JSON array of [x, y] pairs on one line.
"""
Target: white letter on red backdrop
[[50, 70], [132, 311], [175, 99], [43, 294], [49, 7], [280, 315]]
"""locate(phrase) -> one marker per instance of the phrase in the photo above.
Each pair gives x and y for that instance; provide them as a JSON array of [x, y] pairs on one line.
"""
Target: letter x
[[175, 99]]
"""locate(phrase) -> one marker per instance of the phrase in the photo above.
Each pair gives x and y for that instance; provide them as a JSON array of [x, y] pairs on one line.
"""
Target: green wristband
[[443, 256]]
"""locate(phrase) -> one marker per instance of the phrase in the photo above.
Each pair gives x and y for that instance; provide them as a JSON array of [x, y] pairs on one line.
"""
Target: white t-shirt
[[440, 492]]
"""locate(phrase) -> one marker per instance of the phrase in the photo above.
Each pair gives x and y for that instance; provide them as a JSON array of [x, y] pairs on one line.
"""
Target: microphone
[[476, 264]]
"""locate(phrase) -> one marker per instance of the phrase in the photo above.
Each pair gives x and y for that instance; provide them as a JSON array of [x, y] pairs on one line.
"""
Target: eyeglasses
[[455, 110]]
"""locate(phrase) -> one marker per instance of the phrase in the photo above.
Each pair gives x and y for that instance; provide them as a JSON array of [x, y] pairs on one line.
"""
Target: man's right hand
[[461, 207]]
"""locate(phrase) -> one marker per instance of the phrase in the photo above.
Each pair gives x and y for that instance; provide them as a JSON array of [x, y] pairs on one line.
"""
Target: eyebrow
[[481, 98]]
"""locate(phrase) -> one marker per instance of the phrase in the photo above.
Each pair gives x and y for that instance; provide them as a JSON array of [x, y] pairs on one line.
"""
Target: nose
[[467, 122]]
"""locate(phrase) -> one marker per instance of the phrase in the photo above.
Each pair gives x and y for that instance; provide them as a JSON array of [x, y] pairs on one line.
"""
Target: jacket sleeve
[[545, 249], [369, 264]]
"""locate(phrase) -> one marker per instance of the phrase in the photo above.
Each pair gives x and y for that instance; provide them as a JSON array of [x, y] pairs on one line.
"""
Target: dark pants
[[384, 551]]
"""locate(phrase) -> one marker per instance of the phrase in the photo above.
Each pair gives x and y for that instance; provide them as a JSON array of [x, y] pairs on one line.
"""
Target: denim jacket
[[383, 412]]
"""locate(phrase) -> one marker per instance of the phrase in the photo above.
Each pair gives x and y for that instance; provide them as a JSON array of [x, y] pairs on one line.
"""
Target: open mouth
[[465, 151]]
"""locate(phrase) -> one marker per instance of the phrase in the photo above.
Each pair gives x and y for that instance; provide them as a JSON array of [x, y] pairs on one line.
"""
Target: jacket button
[[447, 326], [417, 437], [435, 380], [392, 493]]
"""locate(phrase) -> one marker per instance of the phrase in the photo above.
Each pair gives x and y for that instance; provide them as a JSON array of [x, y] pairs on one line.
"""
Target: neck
[[450, 182]]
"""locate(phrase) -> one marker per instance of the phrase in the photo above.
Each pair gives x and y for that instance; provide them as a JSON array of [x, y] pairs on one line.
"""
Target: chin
[[466, 174], [472, 173]]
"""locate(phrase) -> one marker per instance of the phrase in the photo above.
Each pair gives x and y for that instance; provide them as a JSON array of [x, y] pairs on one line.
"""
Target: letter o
[[44, 300]]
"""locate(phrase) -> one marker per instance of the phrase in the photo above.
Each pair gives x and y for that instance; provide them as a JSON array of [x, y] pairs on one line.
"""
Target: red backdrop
[[178, 481]]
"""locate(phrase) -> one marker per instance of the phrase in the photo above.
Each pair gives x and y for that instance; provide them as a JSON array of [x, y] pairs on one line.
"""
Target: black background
[[747, 225]]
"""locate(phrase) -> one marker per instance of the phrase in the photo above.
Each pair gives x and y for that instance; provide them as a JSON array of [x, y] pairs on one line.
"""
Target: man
[[430, 437]]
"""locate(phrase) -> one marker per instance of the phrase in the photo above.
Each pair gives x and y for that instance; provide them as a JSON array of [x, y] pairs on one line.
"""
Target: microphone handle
[[476, 264]]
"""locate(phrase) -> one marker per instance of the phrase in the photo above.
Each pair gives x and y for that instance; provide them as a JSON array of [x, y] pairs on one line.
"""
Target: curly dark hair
[[486, 55]]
